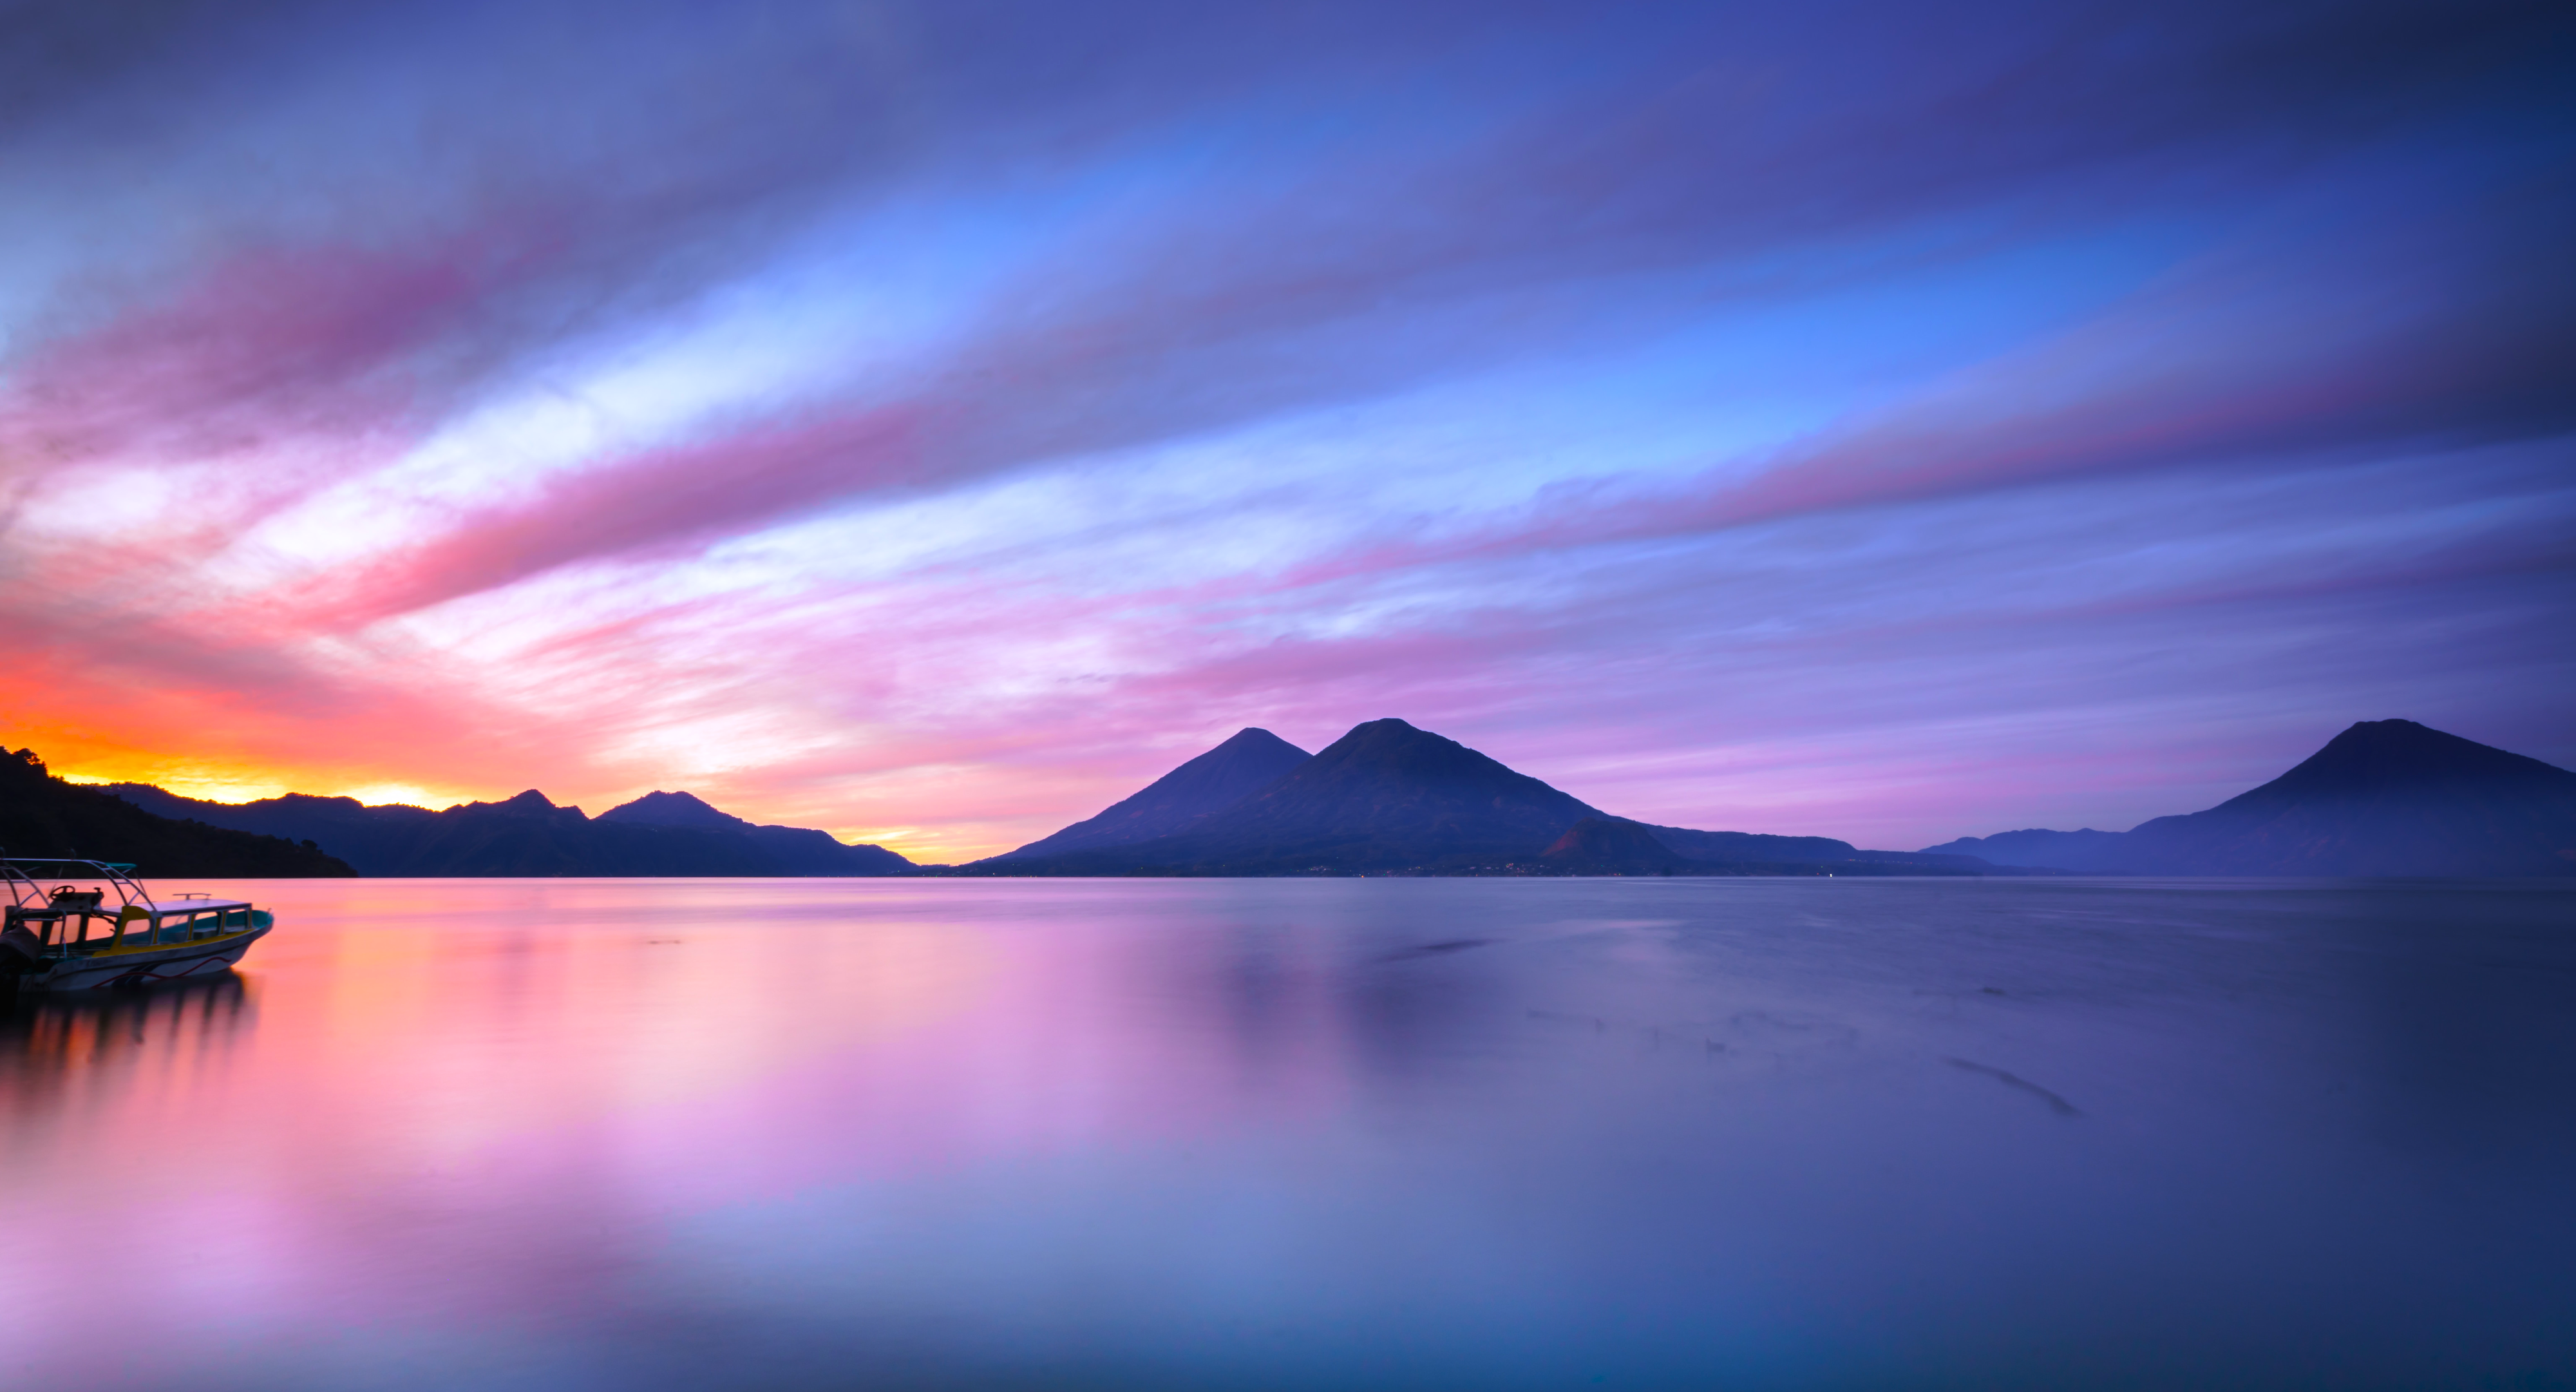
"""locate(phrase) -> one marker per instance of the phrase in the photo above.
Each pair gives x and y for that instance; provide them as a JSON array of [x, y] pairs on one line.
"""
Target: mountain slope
[[1390, 797], [2385, 797], [1248, 761], [366, 837], [789, 850], [529, 835], [658, 808], [1616, 846], [41, 815], [2060, 850], [1611, 846], [1384, 796], [1754, 847]]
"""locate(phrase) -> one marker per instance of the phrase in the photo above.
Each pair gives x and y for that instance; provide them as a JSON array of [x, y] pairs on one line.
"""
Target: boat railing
[[28, 876], [25, 880]]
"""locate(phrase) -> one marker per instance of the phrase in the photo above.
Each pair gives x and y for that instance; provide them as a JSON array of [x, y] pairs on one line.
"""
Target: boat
[[62, 933]]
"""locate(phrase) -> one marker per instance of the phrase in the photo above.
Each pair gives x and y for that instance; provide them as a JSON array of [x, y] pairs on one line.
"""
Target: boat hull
[[178, 960]]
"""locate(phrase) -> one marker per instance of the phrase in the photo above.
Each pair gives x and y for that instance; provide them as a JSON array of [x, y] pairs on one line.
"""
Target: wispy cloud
[[981, 407]]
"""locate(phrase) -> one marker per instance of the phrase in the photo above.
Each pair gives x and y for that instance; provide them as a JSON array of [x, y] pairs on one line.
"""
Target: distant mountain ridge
[[1248, 761], [1388, 797], [528, 835], [2388, 797], [2385, 797], [2085, 850], [795, 851], [1611, 846], [43, 816], [1617, 846]]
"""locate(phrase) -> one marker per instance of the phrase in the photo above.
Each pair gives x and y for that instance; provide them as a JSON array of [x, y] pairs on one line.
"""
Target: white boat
[[63, 934]]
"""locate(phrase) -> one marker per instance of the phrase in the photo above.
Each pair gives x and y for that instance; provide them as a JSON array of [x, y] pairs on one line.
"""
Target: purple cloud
[[979, 405]]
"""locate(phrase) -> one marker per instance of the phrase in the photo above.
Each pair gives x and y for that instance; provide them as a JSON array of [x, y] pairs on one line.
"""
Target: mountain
[[529, 835], [363, 836], [1617, 846], [2385, 797], [1610, 846], [1385, 796], [791, 850], [1753, 848], [1390, 797], [41, 815], [1246, 763], [2087, 850], [658, 808]]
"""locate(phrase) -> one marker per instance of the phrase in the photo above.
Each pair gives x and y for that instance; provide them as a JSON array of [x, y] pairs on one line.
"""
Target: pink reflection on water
[[432, 1099]]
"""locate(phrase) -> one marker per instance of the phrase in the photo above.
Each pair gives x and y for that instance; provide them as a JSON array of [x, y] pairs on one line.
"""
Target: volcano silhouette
[[2385, 797]]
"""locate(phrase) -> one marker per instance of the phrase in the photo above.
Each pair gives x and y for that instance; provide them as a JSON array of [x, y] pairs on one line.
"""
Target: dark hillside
[[1386, 796], [369, 838], [530, 835], [1611, 846], [658, 808], [41, 815], [795, 851], [2086, 850], [2385, 797], [1249, 761]]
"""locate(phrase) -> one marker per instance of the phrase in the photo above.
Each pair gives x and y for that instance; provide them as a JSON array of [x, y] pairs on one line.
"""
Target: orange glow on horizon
[[235, 783], [80, 758]]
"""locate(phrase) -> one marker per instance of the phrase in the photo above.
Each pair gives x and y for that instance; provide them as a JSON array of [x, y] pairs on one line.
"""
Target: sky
[[933, 422]]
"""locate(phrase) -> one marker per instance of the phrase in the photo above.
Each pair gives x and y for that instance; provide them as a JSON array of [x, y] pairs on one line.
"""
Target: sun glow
[[237, 786], [1557, 391]]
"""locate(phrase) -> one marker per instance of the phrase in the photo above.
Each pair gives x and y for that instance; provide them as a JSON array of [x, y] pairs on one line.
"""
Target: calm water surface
[[1314, 1133]]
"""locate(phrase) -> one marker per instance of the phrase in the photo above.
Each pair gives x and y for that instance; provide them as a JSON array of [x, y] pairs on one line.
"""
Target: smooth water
[[1313, 1133]]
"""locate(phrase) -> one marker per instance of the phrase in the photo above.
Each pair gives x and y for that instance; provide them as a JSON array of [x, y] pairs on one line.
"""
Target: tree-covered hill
[[41, 815]]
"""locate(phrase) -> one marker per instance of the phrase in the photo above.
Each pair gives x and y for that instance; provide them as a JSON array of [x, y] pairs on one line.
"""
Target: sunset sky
[[932, 422]]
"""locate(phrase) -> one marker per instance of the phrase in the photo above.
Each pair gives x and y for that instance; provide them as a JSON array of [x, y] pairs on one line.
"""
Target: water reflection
[[55, 1046], [1308, 1133]]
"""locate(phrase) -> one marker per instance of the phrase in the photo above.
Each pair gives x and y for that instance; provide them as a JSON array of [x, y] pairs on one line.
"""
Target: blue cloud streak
[[1574, 311]]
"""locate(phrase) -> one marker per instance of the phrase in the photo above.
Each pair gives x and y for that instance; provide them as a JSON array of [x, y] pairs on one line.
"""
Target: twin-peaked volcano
[[1388, 796], [1385, 796]]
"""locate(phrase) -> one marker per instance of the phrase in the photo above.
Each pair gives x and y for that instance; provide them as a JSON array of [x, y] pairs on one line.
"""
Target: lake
[[1314, 1133]]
